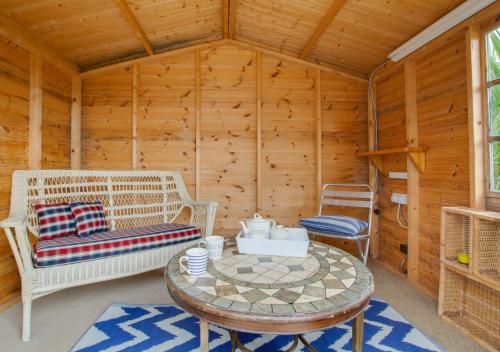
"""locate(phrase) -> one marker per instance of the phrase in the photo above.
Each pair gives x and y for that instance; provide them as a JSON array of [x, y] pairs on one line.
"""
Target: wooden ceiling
[[354, 35]]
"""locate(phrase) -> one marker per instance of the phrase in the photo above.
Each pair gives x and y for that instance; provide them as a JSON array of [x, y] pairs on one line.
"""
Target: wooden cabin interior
[[259, 104]]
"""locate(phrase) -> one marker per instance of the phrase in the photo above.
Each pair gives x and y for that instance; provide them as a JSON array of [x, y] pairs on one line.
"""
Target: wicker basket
[[487, 253], [472, 306], [457, 228], [469, 295]]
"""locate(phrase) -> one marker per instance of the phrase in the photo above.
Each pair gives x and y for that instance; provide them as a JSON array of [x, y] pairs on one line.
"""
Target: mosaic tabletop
[[328, 279]]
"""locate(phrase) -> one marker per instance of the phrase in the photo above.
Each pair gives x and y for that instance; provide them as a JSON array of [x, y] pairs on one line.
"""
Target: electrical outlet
[[399, 198], [398, 175], [403, 248]]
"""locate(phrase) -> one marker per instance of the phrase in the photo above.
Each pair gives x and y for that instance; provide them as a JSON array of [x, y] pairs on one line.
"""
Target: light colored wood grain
[[271, 51], [372, 172], [229, 134], [229, 110], [35, 116], [357, 332], [225, 18], [135, 103], [390, 99], [413, 184], [132, 21], [56, 118], [203, 335], [333, 11], [318, 114], [15, 31], [355, 32], [166, 116], [214, 44], [198, 122], [477, 153], [14, 119], [443, 132], [76, 122], [233, 7], [107, 120], [258, 110]]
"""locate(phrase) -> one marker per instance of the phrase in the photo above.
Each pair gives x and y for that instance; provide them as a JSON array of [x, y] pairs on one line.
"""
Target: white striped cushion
[[335, 224]]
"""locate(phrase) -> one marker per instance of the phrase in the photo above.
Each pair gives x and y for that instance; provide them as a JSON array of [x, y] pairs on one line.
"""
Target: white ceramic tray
[[296, 245]]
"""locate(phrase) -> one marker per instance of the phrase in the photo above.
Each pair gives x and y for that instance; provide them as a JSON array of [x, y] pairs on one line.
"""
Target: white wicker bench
[[130, 199]]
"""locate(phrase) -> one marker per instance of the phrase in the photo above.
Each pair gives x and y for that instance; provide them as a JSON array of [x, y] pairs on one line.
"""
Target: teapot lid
[[257, 218]]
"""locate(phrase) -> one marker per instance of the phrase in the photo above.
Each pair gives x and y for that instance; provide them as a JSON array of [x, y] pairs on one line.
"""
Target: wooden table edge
[[256, 323]]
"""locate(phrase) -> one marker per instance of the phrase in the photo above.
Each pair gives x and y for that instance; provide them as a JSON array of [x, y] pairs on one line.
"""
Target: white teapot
[[257, 223]]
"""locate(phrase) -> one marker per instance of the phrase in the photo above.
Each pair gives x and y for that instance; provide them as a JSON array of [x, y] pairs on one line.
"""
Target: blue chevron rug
[[156, 328]]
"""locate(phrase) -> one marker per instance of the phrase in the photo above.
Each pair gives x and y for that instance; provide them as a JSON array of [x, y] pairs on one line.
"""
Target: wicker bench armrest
[[203, 214], [15, 219]]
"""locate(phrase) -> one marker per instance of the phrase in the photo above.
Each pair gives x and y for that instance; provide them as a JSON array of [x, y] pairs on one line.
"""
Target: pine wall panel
[[288, 133], [442, 123], [56, 118], [344, 131], [228, 133], [166, 128], [443, 132], [391, 134], [107, 120], [166, 117], [55, 135], [14, 112]]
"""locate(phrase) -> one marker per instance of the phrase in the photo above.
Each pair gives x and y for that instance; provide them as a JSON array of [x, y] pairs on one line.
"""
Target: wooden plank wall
[[14, 130], [107, 126], [442, 123], [14, 110], [391, 134], [166, 138], [344, 128], [56, 118], [443, 130], [228, 133], [166, 117], [288, 133]]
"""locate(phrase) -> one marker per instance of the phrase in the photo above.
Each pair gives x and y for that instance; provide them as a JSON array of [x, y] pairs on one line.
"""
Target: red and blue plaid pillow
[[55, 220], [89, 218]]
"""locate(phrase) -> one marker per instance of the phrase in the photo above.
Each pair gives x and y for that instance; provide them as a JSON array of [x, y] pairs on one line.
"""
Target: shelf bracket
[[376, 160], [418, 159]]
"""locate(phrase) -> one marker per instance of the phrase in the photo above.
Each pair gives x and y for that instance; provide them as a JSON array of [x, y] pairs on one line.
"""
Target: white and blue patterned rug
[[156, 328]]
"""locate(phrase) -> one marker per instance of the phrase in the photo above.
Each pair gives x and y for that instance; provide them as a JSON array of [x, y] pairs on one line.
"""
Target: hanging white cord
[[397, 217]]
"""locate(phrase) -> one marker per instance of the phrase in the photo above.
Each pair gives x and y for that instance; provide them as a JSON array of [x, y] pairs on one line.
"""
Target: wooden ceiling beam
[[232, 18], [225, 18], [132, 21], [334, 9], [22, 37]]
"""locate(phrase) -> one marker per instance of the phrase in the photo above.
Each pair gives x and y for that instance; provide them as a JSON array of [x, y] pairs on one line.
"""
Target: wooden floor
[[60, 319]]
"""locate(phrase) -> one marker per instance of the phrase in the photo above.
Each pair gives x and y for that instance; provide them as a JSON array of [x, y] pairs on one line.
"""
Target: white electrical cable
[[397, 217]]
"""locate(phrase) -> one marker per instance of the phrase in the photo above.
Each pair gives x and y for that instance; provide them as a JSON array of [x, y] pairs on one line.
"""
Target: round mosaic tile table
[[275, 295]]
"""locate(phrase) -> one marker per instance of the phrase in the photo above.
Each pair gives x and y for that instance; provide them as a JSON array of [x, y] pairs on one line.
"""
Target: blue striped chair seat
[[335, 224]]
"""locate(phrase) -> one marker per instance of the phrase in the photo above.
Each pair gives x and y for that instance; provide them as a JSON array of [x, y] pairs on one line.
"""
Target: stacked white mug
[[214, 245]]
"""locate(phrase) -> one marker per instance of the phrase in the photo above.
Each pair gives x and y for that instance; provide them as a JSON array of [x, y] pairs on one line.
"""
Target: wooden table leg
[[203, 335], [357, 332]]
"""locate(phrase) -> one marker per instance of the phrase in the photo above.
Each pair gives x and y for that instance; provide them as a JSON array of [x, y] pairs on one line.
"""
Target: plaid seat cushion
[[54, 220], [335, 224], [89, 218], [74, 249]]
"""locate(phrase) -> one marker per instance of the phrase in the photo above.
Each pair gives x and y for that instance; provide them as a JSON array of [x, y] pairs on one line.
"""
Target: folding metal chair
[[344, 195]]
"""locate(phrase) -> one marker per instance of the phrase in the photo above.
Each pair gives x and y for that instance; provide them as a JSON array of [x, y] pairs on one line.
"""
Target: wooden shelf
[[416, 154]]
